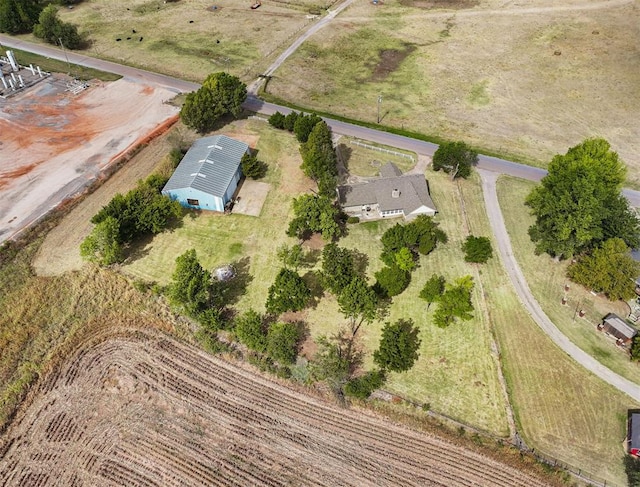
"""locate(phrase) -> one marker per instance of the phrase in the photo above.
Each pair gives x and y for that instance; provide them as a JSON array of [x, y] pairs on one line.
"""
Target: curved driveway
[[526, 297]]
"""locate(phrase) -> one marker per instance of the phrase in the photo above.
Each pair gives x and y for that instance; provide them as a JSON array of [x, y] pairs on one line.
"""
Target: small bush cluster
[[278, 341], [362, 387], [142, 211]]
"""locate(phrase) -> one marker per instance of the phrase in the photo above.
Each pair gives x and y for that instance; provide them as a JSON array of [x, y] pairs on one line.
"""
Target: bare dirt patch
[[54, 142], [390, 60], [143, 409], [251, 196]]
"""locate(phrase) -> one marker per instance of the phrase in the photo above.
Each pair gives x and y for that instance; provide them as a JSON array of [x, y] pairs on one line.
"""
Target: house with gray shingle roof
[[208, 174], [391, 195]]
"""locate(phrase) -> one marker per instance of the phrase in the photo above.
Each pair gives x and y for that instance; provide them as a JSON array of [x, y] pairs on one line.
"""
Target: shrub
[[362, 387], [477, 249], [290, 121], [252, 167], [250, 330], [277, 120], [353, 219], [282, 342]]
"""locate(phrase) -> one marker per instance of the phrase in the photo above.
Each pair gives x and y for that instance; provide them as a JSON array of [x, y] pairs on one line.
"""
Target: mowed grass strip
[[562, 410], [547, 280], [187, 39], [459, 77], [54, 66]]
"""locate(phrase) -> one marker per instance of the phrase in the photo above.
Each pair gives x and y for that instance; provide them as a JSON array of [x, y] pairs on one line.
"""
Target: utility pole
[[66, 57], [379, 101]]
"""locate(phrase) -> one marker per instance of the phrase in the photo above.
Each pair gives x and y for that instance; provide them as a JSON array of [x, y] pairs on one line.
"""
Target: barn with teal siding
[[208, 174]]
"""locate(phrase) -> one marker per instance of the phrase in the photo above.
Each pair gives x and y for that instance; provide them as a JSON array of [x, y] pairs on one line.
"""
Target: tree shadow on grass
[[235, 288], [313, 280]]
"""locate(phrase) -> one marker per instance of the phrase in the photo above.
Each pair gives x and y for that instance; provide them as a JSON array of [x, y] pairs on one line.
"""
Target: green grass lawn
[[248, 242], [455, 373], [364, 161], [547, 279]]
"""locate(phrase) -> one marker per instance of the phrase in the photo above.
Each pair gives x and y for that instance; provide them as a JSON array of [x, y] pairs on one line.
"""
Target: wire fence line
[[584, 475], [382, 149]]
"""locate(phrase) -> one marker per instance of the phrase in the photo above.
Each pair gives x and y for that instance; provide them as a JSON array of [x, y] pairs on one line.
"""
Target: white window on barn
[[193, 202]]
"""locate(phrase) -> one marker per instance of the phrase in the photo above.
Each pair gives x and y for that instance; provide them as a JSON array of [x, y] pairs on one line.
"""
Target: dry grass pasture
[[189, 39], [526, 80], [140, 408]]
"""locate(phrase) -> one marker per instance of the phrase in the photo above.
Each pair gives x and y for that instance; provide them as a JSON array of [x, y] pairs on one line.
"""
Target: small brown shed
[[618, 328]]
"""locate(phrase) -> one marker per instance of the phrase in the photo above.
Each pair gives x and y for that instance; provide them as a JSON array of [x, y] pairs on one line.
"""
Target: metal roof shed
[[208, 174]]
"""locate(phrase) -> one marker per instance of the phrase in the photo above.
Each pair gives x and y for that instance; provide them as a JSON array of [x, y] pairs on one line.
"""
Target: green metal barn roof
[[209, 165]]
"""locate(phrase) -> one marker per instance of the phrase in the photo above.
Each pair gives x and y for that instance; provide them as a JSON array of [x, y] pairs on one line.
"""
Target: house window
[[193, 202]]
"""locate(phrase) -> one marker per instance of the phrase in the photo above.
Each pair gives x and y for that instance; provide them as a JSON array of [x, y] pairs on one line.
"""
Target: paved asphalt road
[[253, 103]]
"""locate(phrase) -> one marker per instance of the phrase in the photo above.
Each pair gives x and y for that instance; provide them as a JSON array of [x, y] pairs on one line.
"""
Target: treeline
[[41, 18], [319, 160]]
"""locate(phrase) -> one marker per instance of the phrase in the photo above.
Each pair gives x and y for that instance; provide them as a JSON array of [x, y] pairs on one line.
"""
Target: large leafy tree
[[250, 330], [338, 267], [433, 289], [455, 302], [282, 342], [143, 210], [220, 94], [455, 158], [399, 346], [314, 213], [477, 249], [358, 303], [421, 235], [53, 30], [609, 269], [103, 245], [191, 285], [17, 16], [578, 204], [288, 293]]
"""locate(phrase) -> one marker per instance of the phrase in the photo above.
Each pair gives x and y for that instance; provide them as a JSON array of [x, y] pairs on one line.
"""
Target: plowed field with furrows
[[151, 411]]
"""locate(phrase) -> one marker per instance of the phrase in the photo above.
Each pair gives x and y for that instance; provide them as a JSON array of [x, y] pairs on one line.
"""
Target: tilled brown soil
[[145, 410]]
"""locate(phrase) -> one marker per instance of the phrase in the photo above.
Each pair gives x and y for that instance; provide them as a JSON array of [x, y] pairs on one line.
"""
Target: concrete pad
[[251, 197]]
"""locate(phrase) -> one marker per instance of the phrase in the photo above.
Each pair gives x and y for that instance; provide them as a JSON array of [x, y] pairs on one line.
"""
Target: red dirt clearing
[[54, 142], [146, 410]]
